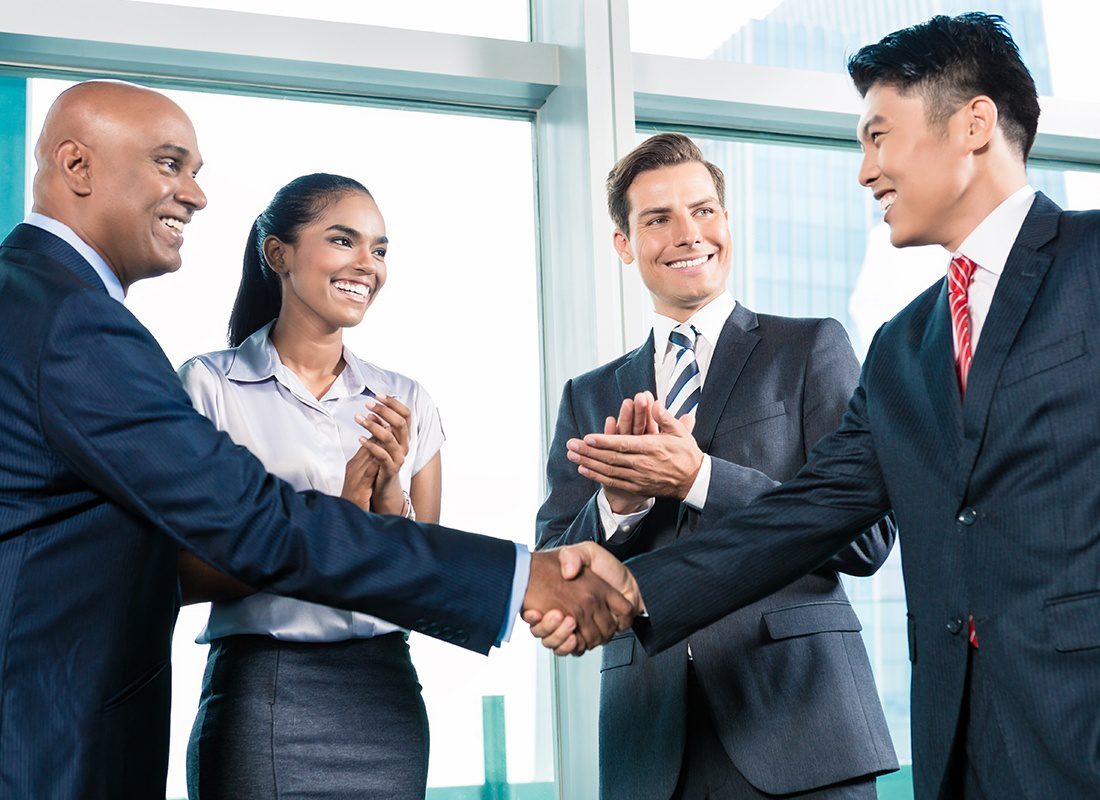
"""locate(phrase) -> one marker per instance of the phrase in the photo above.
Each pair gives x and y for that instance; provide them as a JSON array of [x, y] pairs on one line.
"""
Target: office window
[[457, 193], [1055, 38], [495, 19]]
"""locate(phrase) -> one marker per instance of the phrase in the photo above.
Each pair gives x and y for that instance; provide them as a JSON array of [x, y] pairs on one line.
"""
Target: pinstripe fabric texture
[[996, 497], [791, 668], [686, 386], [105, 473]]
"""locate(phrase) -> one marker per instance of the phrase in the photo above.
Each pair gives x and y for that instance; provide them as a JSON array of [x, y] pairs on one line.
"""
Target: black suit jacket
[[106, 471], [787, 679], [997, 498]]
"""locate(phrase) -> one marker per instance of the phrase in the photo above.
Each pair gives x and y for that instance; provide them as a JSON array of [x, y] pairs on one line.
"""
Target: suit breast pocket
[[750, 416], [1044, 358]]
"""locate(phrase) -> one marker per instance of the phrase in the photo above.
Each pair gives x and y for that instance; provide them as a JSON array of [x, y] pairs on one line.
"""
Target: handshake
[[578, 597]]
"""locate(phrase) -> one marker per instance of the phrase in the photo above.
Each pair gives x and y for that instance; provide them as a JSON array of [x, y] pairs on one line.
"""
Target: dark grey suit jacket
[[787, 678], [998, 497]]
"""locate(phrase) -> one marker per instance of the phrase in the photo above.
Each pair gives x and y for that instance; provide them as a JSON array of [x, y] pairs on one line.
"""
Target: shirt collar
[[62, 231], [988, 245], [257, 360], [708, 321]]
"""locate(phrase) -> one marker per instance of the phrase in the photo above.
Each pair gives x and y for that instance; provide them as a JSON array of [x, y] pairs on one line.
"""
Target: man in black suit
[[776, 698], [106, 472], [975, 420]]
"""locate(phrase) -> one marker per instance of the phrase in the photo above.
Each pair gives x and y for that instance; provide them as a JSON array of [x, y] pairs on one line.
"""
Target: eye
[[657, 221], [380, 252], [874, 136], [705, 211], [171, 165], [343, 241]]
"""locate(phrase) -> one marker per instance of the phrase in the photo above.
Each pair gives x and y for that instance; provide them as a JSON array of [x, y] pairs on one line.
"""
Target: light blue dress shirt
[[94, 259]]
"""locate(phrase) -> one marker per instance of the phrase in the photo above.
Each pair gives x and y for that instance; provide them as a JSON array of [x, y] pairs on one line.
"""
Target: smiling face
[[919, 172], [679, 237], [337, 266], [128, 157]]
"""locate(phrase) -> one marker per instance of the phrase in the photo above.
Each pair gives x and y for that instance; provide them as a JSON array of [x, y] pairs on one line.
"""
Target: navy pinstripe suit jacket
[[786, 679], [997, 500], [106, 471]]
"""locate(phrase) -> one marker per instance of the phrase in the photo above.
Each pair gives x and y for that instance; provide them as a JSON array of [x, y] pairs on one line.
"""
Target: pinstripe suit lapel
[[1016, 290], [636, 373], [937, 356], [733, 348], [36, 240]]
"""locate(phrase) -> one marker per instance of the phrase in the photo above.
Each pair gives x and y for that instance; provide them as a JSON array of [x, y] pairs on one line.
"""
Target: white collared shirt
[[708, 322], [988, 246], [94, 259], [250, 394]]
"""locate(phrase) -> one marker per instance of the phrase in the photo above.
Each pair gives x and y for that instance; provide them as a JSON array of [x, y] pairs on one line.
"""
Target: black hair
[[950, 60], [299, 203]]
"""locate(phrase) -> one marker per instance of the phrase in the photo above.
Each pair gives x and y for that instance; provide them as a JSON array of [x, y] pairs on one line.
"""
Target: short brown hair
[[662, 150]]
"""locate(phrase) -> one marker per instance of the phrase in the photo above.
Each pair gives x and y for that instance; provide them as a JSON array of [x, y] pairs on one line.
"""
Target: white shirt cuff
[[697, 494], [618, 525], [519, 588]]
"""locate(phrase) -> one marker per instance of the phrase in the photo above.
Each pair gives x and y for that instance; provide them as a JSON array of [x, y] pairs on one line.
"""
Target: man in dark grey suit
[[975, 420], [777, 698]]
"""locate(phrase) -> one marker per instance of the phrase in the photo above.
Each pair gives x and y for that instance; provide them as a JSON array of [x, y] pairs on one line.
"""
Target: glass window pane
[[451, 288], [495, 19], [1055, 37], [809, 241]]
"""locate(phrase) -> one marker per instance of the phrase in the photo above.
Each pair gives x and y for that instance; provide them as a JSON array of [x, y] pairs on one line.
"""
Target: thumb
[[688, 421], [571, 562], [666, 423]]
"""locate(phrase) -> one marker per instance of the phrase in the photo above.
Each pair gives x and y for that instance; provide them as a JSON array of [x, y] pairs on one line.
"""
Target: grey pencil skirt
[[317, 721]]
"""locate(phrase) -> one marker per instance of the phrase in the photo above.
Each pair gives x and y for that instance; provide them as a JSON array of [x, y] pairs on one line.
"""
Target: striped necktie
[[687, 384], [959, 277]]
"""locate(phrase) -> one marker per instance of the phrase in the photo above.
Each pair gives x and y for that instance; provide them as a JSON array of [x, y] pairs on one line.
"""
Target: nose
[[191, 194], [868, 169], [687, 230]]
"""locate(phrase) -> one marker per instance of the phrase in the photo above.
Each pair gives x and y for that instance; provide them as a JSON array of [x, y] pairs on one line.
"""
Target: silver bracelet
[[408, 513]]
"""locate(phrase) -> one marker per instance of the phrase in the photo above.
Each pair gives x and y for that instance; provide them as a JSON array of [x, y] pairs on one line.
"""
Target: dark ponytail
[[298, 203]]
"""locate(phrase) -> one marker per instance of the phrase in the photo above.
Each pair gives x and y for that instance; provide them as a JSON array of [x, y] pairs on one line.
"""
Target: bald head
[[117, 164]]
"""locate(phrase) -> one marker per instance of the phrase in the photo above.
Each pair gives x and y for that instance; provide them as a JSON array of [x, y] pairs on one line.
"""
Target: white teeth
[[887, 200], [352, 288], [695, 262], [174, 224]]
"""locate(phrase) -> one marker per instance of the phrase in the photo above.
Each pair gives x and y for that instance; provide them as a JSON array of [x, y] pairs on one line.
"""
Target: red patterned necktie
[[959, 276]]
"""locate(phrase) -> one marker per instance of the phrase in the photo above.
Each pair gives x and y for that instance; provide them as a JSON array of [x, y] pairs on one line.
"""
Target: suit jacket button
[[461, 637], [419, 624], [954, 625], [967, 516], [445, 633]]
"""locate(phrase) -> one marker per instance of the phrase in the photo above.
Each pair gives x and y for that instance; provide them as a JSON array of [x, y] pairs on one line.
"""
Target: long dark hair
[[298, 203]]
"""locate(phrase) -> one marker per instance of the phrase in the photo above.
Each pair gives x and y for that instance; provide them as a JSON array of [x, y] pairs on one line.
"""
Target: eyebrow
[[352, 232], [666, 209], [176, 151], [865, 131]]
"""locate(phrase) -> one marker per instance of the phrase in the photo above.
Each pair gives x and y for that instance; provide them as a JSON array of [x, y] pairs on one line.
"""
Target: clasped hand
[[578, 597], [371, 477], [644, 453]]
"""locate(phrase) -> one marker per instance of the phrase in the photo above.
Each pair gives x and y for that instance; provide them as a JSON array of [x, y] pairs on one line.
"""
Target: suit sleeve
[[831, 373], [753, 551], [114, 412], [570, 513]]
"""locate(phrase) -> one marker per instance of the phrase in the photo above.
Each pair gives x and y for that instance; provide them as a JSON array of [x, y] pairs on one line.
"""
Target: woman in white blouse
[[301, 700]]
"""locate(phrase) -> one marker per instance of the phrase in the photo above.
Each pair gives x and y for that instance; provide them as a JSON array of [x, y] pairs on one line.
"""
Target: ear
[[622, 247], [981, 120], [275, 254], [73, 163]]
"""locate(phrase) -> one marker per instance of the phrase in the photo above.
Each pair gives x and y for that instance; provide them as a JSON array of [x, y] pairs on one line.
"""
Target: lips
[[355, 290], [688, 263], [886, 200], [174, 226]]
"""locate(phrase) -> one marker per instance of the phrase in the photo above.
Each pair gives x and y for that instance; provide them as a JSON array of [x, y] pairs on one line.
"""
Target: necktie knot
[[683, 337]]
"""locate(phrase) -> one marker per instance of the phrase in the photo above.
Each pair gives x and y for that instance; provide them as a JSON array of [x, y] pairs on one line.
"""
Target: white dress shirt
[[708, 322], [988, 246], [250, 394]]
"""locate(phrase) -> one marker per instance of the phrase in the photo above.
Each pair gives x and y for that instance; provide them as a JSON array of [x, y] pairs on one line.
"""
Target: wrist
[[684, 489], [626, 505]]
